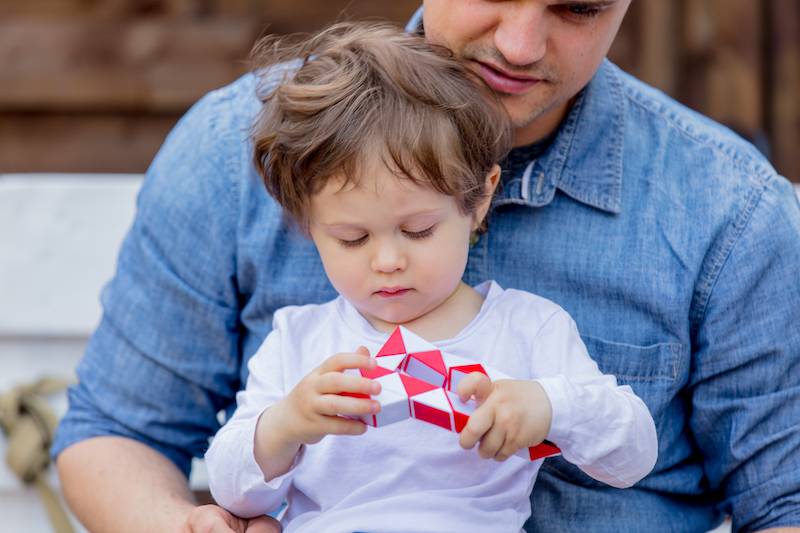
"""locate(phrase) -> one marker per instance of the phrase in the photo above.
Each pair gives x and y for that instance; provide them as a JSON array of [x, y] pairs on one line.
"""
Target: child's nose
[[388, 258]]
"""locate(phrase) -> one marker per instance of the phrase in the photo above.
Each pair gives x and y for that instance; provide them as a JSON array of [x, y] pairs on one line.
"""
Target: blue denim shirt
[[672, 242]]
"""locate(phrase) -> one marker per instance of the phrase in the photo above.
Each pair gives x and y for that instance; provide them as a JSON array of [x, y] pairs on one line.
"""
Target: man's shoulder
[[685, 138], [691, 160], [207, 157], [233, 107]]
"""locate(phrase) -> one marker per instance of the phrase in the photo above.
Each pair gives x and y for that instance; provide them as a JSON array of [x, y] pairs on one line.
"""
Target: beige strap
[[29, 424]]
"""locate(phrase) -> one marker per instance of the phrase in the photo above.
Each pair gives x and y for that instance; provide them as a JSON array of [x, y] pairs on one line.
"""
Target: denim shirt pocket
[[655, 373]]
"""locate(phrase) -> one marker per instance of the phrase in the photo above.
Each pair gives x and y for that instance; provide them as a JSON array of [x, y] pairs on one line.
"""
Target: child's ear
[[492, 181]]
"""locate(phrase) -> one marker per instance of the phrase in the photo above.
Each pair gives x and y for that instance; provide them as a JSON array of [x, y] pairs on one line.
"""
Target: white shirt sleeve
[[235, 480], [601, 427]]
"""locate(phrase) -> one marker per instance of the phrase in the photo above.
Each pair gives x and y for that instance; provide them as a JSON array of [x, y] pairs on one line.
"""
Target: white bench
[[59, 236]]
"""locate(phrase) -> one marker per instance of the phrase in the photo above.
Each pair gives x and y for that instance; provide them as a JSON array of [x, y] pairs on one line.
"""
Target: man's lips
[[504, 82]]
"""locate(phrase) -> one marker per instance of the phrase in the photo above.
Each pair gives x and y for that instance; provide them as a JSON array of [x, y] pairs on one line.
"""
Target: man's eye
[[419, 234], [353, 243], [579, 11]]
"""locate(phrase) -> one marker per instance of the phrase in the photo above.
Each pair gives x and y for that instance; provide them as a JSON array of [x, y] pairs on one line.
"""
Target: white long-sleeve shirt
[[412, 476]]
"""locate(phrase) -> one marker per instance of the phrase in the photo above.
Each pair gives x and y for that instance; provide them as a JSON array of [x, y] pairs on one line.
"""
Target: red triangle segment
[[374, 373], [545, 449], [415, 386], [468, 369], [431, 415], [394, 345], [432, 359]]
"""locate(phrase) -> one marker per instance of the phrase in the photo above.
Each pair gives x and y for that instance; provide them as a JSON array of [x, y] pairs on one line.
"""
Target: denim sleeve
[[745, 385], [165, 357]]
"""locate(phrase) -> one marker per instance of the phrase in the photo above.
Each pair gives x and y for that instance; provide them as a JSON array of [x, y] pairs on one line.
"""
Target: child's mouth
[[392, 292]]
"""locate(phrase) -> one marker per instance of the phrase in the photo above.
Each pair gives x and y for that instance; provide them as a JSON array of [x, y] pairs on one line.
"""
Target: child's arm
[[603, 428], [251, 480]]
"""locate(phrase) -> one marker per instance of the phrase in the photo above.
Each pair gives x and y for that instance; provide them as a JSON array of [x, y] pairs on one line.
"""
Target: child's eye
[[419, 234], [353, 243]]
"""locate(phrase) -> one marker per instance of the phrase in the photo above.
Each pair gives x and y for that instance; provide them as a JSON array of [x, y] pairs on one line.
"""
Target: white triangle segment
[[390, 362], [415, 343], [392, 382]]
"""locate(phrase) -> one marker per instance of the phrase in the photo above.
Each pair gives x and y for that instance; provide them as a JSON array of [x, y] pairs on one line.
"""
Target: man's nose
[[388, 257], [521, 36]]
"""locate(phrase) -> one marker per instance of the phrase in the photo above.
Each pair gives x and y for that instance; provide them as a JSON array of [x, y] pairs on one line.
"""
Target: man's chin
[[523, 119]]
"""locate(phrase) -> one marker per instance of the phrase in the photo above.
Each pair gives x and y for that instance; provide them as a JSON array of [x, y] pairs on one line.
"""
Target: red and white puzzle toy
[[419, 381]]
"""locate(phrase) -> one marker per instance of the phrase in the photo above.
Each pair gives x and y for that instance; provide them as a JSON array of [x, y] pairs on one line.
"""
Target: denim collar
[[585, 159]]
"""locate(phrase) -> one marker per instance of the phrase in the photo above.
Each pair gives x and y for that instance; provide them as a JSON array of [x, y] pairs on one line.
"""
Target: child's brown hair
[[363, 90]]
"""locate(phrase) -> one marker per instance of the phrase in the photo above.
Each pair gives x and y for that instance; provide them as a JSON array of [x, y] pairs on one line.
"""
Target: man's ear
[[492, 181]]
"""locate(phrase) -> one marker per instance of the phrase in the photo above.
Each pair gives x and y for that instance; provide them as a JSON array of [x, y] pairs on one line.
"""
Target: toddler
[[384, 150]]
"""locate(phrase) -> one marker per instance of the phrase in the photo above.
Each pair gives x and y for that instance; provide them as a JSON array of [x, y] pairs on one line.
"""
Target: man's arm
[[117, 484], [165, 358], [745, 380], [138, 489]]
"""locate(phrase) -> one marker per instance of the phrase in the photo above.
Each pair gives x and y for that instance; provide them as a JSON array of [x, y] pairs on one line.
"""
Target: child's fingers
[[475, 384], [337, 382], [342, 361], [336, 425], [509, 448], [362, 350], [479, 423], [492, 442], [334, 405]]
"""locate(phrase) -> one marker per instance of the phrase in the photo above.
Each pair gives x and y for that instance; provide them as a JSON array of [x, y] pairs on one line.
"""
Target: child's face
[[394, 249]]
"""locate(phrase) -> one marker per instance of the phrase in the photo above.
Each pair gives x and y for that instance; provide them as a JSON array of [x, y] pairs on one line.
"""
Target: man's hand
[[512, 414], [214, 519]]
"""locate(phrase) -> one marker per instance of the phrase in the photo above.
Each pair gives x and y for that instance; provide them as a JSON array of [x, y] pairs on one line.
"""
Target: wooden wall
[[95, 85], [737, 61]]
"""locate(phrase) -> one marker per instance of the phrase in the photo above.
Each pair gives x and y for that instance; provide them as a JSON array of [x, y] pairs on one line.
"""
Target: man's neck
[[542, 126]]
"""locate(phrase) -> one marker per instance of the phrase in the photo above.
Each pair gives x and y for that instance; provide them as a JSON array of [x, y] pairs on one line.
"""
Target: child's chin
[[398, 317]]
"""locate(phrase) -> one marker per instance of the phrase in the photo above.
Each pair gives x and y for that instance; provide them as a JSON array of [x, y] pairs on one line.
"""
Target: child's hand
[[313, 409], [316, 407], [512, 414]]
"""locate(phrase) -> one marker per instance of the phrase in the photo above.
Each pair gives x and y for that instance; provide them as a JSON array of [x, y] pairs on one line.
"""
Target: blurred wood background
[[95, 85]]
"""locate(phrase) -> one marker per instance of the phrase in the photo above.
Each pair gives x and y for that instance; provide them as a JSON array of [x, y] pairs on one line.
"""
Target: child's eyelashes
[[353, 243], [422, 234], [427, 232]]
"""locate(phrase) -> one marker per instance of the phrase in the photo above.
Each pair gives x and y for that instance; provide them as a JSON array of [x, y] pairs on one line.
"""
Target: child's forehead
[[377, 178], [379, 195]]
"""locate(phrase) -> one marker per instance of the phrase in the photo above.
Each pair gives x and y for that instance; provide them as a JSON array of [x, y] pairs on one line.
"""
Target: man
[[674, 245]]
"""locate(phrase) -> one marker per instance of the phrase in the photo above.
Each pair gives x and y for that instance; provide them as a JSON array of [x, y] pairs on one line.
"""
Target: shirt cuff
[[238, 482]]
